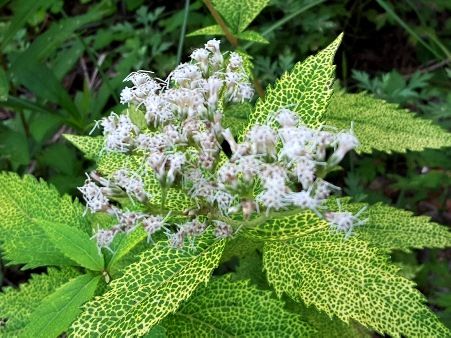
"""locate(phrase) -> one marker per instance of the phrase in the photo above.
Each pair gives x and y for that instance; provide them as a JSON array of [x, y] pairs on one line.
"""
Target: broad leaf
[[209, 30], [25, 201], [149, 290], [55, 313], [286, 225], [383, 126], [239, 13], [229, 309], [306, 89], [74, 244], [91, 147], [390, 228], [252, 36], [16, 305], [350, 280], [123, 245]]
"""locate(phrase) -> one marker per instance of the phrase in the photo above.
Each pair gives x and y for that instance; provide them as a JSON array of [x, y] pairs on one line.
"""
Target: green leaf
[[24, 10], [350, 280], [14, 147], [252, 36], [149, 290], [4, 86], [239, 13], [45, 44], [57, 311], [286, 225], [74, 244], [390, 228], [91, 147], [157, 331], [327, 326], [234, 309], [209, 30], [66, 59], [125, 244], [60, 157], [26, 70], [306, 89], [25, 202], [383, 126], [17, 304], [235, 117]]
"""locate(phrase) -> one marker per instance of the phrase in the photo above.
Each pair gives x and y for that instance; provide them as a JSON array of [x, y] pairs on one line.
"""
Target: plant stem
[[232, 39], [228, 34], [182, 32]]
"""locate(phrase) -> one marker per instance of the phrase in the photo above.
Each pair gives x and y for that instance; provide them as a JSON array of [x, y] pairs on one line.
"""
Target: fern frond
[[390, 228], [149, 290], [383, 126], [306, 89], [24, 202], [350, 280], [16, 305], [229, 309]]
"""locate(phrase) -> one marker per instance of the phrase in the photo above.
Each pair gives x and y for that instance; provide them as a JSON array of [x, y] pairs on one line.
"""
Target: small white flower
[[262, 140], [235, 62], [94, 197], [152, 224], [345, 221], [126, 95], [345, 141], [158, 110], [187, 75], [104, 238], [223, 230], [213, 46], [211, 88], [303, 199], [176, 162], [287, 118], [201, 56]]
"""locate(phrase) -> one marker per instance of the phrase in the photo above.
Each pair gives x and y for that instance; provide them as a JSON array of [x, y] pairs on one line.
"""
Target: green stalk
[[182, 32]]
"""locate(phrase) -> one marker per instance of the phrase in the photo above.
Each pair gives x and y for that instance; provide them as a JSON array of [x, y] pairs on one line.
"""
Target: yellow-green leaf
[[24, 203], [350, 280], [74, 244], [306, 89], [383, 126], [234, 309], [149, 290], [57, 311]]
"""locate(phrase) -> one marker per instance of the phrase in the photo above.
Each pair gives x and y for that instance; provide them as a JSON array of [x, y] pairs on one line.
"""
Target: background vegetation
[[63, 63]]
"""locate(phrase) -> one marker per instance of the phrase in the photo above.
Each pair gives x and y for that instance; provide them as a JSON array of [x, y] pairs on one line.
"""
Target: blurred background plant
[[63, 63]]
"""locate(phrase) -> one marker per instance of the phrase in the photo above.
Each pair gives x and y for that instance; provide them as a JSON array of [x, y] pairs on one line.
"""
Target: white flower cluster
[[275, 168]]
